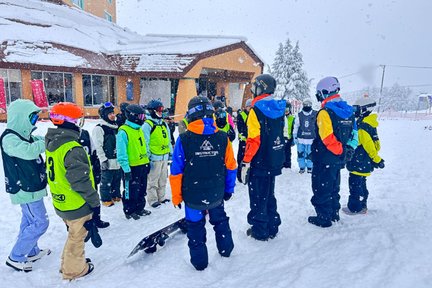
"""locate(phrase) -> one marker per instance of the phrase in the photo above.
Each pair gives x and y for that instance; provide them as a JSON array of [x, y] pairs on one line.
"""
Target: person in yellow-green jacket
[[365, 157], [242, 134], [223, 120], [133, 159], [158, 139], [72, 187]]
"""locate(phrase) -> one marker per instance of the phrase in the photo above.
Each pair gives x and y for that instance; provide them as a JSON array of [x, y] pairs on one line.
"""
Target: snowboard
[[150, 243]]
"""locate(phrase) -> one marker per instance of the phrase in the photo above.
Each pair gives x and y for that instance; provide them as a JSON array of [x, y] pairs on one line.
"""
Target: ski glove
[[349, 153], [227, 196], [127, 176], [93, 233], [380, 164], [105, 165], [245, 167]]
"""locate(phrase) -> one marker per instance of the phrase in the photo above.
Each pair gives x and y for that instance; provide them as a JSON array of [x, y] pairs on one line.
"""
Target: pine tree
[[287, 68]]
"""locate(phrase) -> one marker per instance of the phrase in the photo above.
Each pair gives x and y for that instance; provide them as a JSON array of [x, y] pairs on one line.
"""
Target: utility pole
[[382, 85]]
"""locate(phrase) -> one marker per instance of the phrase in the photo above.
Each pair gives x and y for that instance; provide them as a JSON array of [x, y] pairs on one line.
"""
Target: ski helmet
[[364, 106], [66, 112], [199, 107], [106, 109], [326, 87], [155, 108], [263, 84], [218, 105], [135, 114], [123, 107]]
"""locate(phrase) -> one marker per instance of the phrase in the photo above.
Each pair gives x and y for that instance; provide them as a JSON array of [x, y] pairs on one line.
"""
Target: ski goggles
[[160, 109], [141, 117], [77, 121], [200, 108], [34, 117], [221, 114], [108, 105]]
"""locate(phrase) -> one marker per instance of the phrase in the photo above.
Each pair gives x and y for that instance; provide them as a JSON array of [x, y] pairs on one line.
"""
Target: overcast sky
[[337, 37]]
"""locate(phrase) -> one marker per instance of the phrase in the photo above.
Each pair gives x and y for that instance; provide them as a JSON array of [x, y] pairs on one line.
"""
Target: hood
[[372, 120], [205, 126], [56, 137], [271, 107], [103, 122], [340, 107], [18, 117]]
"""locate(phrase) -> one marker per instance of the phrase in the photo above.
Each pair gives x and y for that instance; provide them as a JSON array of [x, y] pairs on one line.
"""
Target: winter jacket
[[148, 129], [241, 125], [88, 145], [206, 131], [105, 144], [18, 121], [336, 128], [78, 170], [368, 148], [265, 143], [122, 144], [304, 127]]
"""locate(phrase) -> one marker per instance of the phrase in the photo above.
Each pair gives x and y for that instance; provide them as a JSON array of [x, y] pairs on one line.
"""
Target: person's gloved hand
[[379, 165], [245, 168], [227, 196], [349, 153], [93, 233], [127, 176], [104, 165]]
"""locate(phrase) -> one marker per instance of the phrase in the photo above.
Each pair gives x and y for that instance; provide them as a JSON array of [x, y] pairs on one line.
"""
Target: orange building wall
[[98, 7], [236, 60]]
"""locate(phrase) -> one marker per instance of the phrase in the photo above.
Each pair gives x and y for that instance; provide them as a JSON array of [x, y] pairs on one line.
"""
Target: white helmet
[[364, 105]]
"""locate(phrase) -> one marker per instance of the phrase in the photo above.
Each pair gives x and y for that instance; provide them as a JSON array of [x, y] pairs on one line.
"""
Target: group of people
[[135, 147]]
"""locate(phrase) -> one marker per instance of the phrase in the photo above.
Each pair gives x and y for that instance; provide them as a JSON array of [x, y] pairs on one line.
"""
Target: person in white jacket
[[104, 138], [304, 134]]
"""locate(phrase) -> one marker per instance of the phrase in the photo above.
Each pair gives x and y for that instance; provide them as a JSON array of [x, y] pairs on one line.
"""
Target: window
[[58, 86], [98, 89], [12, 83], [78, 3], [108, 16]]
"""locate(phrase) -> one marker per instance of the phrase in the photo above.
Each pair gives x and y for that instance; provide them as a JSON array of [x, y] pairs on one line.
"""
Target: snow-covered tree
[[287, 69]]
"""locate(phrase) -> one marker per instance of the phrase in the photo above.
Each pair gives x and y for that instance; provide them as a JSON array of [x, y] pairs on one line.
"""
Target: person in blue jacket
[[26, 181], [203, 175]]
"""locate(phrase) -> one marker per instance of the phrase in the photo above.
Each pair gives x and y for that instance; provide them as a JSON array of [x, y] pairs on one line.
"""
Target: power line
[[410, 67]]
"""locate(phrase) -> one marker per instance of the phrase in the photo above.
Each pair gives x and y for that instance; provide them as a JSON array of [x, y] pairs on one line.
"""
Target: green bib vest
[[136, 149], [244, 117], [290, 119], [64, 198], [159, 141]]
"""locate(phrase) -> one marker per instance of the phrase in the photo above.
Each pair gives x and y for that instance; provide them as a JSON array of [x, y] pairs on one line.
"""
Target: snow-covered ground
[[388, 247]]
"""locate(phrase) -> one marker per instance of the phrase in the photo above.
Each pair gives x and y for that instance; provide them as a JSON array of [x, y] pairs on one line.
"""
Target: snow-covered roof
[[42, 33]]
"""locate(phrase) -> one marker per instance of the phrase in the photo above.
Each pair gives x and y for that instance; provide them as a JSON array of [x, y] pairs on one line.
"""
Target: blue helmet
[[327, 87]]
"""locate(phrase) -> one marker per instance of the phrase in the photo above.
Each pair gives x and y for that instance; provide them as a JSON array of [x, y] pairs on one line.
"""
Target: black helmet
[[199, 107], [135, 114], [263, 84], [106, 109], [123, 107], [218, 105]]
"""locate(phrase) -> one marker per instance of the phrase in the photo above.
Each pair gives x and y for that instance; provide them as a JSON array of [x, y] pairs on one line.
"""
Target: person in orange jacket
[[264, 158], [203, 175]]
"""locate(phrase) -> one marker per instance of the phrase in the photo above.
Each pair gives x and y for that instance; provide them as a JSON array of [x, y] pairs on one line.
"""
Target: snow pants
[[263, 215], [110, 184], [304, 155], [157, 181], [34, 223], [240, 156], [73, 262], [288, 143], [134, 199], [325, 188], [358, 193], [196, 234]]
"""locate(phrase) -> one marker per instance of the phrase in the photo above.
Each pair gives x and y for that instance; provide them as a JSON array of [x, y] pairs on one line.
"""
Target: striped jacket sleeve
[[253, 141], [177, 168], [231, 169]]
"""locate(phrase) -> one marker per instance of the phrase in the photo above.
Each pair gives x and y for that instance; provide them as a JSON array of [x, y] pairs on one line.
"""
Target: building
[[105, 9], [88, 60]]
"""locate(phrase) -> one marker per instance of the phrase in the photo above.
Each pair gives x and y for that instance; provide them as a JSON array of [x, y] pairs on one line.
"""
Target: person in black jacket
[[242, 133], [121, 117], [203, 175]]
